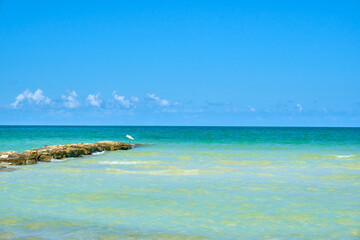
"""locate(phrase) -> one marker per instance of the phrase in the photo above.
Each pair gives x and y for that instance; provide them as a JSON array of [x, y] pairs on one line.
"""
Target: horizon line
[[110, 125]]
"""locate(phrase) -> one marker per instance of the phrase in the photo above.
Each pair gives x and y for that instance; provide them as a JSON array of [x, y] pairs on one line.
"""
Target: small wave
[[344, 156], [122, 163], [98, 153], [329, 156], [157, 172], [171, 171], [57, 160]]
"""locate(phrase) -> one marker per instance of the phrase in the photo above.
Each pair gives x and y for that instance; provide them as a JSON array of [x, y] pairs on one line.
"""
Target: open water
[[189, 183]]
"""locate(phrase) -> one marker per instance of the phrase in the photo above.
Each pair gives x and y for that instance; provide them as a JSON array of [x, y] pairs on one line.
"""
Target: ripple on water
[[40, 225], [6, 235], [157, 236], [328, 156], [168, 171], [123, 162]]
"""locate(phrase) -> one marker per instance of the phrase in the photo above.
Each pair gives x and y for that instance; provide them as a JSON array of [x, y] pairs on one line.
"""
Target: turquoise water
[[189, 183]]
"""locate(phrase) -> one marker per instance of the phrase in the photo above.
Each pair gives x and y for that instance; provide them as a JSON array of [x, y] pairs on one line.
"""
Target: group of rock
[[46, 153]]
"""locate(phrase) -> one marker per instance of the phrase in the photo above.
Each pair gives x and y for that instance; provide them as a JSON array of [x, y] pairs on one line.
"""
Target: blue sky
[[262, 63]]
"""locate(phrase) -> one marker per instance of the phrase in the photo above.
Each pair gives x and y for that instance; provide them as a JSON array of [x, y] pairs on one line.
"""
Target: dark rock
[[29, 154], [30, 161], [44, 158], [5, 169]]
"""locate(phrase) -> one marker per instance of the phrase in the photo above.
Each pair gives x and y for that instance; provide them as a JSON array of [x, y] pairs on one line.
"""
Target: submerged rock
[[5, 169], [46, 153]]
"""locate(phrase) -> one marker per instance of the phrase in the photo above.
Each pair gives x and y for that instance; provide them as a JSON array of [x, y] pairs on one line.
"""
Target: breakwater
[[46, 153]]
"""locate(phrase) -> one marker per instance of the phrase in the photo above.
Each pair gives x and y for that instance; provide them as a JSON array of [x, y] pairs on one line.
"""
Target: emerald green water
[[189, 183]]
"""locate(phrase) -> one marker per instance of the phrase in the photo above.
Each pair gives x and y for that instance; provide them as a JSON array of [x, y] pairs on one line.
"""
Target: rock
[[75, 151], [89, 148], [45, 153], [30, 161], [12, 158], [59, 154], [5, 169], [106, 145], [44, 158], [29, 154], [7, 154], [111, 146]]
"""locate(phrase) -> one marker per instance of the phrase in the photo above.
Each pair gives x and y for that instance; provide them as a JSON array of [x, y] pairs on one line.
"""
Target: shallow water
[[190, 183]]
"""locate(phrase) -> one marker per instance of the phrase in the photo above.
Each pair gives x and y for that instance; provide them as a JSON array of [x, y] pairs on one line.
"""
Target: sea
[[185, 183]]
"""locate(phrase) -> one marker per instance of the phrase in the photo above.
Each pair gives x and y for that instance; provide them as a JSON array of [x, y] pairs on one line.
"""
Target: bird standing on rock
[[130, 138]]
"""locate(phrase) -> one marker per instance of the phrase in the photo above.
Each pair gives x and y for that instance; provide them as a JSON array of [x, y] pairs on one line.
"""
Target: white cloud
[[161, 102], [36, 97], [251, 109], [126, 103], [18, 100], [94, 99], [134, 99], [71, 101], [299, 107]]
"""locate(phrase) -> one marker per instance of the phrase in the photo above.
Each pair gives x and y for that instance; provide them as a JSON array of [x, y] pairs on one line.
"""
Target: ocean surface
[[188, 183]]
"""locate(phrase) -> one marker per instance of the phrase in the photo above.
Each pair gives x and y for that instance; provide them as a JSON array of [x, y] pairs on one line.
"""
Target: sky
[[197, 63]]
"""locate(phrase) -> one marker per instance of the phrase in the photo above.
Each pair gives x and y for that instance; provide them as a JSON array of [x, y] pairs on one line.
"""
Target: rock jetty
[[46, 153]]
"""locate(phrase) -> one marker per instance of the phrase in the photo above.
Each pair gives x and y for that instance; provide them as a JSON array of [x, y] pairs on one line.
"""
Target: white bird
[[129, 137]]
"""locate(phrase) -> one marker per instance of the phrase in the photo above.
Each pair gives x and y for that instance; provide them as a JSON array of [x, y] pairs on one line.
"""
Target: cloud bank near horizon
[[151, 102], [36, 98]]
